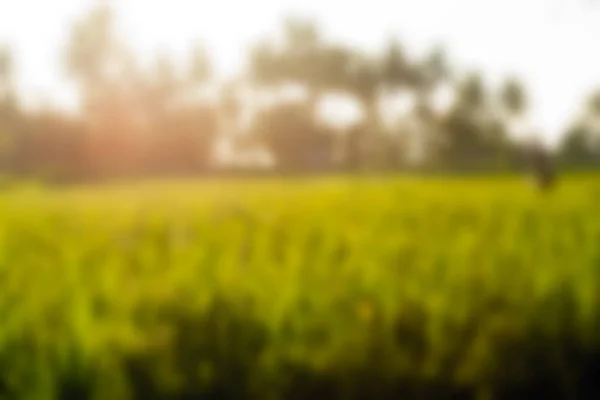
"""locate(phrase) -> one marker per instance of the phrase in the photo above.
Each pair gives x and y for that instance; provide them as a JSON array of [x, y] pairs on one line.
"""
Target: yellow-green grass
[[246, 288]]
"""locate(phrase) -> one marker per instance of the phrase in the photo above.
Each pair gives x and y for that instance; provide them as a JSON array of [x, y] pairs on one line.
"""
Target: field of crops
[[332, 288]]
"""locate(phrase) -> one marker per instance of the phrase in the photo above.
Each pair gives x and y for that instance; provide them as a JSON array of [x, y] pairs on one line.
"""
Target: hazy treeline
[[165, 120]]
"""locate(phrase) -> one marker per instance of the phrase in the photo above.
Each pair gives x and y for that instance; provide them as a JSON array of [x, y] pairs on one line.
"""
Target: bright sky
[[551, 44]]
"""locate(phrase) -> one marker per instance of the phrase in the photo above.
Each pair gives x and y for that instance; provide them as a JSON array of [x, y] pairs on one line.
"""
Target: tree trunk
[[371, 155]]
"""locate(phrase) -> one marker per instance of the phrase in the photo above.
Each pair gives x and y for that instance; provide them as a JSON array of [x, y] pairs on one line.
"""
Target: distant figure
[[544, 171]]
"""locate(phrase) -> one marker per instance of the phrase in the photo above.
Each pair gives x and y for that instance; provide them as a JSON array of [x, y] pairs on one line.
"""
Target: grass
[[330, 288]]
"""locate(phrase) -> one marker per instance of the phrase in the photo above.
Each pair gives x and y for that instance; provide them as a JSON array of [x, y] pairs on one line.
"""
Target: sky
[[548, 43]]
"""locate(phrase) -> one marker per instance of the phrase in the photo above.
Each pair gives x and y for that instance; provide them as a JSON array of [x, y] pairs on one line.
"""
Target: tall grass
[[328, 289]]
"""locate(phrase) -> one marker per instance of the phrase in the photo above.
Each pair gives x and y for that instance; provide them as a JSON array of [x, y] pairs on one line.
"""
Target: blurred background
[[95, 90]]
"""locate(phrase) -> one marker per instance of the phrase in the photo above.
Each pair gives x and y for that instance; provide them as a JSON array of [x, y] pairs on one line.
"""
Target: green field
[[331, 288]]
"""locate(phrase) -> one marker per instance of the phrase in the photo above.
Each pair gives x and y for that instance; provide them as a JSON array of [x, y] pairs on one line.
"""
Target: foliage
[[147, 121], [300, 142]]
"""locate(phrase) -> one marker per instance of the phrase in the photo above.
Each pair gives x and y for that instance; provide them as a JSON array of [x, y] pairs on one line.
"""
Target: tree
[[51, 147], [580, 145], [424, 78], [301, 35], [230, 108], [366, 78], [396, 70], [185, 126], [202, 121], [304, 59], [164, 85], [365, 81], [93, 51], [472, 96], [513, 97], [104, 68], [8, 98], [472, 134], [512, 109], [296, 140], [265, 65], [575, 148], [200, 67], [10, 115], [6, 70], [7, 92], [513, 102]]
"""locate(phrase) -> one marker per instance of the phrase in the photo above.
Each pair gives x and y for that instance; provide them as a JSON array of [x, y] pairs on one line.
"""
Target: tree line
[[160, 120]]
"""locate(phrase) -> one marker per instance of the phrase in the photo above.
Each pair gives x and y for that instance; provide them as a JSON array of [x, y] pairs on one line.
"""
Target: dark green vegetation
[[389, 288]]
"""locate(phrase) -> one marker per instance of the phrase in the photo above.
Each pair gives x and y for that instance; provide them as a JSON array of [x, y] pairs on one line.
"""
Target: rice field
[[327, 288]]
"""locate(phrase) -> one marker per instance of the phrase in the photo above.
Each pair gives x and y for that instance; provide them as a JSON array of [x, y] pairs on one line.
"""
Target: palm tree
[[165, 82], [265, 67], [303, 59], [581, 143], [467, 126], [8, 100], [512, 110], [513, 97], [91, 51], [6, 69], [200, 67], [425, 78], [8, 109], [472, 96], [365, 81], [396, 70], [308, 61]]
